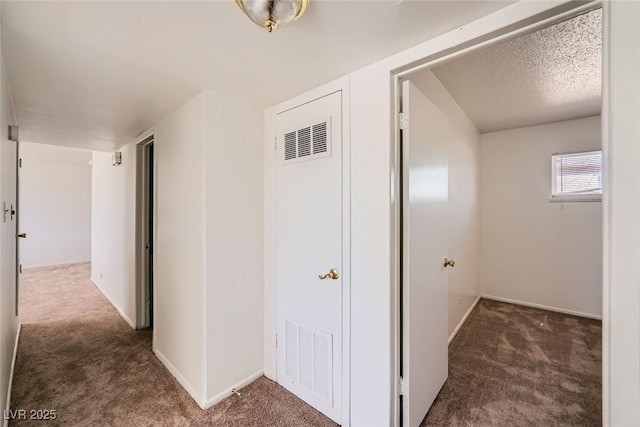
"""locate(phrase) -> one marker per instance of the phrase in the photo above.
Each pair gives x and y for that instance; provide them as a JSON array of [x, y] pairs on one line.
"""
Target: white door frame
[[270, 307], [141, 177], [18, 232], [511, 30]]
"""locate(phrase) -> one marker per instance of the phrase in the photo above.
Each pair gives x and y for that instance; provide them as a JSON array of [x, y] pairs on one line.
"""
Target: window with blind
[[576, 176]]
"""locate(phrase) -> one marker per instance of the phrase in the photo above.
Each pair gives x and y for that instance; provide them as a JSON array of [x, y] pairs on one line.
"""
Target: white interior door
[[309, 244], [19, 233], [425, 241], [9, 230]]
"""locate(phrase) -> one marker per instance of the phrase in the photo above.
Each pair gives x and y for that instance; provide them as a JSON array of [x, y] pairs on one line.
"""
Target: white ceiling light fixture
[[272, 14]]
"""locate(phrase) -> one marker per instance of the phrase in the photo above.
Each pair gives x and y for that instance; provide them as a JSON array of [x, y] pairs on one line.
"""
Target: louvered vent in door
[[320, 138], [307, 143], [290, 151], [292, 350], [304, 142], [309, 355]]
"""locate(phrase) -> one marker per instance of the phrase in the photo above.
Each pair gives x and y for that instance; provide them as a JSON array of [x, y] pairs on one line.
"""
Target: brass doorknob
[[449, 262], [332, 274], [22, 235]]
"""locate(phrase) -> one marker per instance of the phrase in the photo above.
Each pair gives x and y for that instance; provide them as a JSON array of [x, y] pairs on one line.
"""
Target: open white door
[[425, 241], [309, 245], [9, 238], [19, 233]]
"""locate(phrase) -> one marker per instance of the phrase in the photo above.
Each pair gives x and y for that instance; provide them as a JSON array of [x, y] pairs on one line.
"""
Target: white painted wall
[[208, 315], [234, 245], [55, 205], [9, 322], [113, 229], [621, 323], [533, 250], [464, 198], [371, 249], [180, 246]]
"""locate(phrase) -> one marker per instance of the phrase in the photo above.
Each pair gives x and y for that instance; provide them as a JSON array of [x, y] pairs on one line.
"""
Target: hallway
[[78, 357]]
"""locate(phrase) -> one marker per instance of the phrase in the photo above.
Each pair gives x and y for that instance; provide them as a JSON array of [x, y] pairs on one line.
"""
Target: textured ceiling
[[95, 74], [550, 75]]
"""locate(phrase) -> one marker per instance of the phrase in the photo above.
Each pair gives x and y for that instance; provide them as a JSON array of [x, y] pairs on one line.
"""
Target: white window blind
[[576, 176]]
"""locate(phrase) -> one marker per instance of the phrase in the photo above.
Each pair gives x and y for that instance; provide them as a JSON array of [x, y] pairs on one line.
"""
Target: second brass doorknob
[[332, 274]]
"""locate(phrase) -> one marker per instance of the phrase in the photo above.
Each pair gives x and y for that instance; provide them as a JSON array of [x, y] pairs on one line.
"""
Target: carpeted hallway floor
[[508, 366], [78, 357]]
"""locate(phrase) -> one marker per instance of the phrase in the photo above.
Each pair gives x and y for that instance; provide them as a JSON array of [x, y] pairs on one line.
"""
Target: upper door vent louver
[[308, 143], [290, 151], [320, 138]]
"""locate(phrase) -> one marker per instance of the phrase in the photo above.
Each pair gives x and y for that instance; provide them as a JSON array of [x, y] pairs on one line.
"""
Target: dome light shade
[[272, 14]]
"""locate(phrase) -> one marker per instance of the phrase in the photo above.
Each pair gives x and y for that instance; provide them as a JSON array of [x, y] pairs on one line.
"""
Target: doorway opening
[[467, 173], [54, 223], [145, 232]]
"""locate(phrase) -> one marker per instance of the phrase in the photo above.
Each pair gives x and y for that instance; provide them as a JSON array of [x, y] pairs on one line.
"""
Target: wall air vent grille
[[308, 143]]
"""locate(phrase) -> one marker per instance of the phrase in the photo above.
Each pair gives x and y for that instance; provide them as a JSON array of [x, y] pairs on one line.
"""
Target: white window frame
[[562, 198]]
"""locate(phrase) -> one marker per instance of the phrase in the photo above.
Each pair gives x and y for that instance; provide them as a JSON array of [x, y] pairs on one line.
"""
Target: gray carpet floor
[[518, 366], [508, 366], [78, 357]]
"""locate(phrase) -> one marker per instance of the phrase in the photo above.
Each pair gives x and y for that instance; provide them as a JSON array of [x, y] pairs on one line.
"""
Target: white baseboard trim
[[543, 307], [13, 367], [270, 375], [464, 319], [120, 312], [55, 264], [180, 378], [227, 392]]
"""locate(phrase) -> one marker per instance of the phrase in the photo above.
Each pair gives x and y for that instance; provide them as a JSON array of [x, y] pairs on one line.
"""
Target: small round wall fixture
[[272, 14]]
